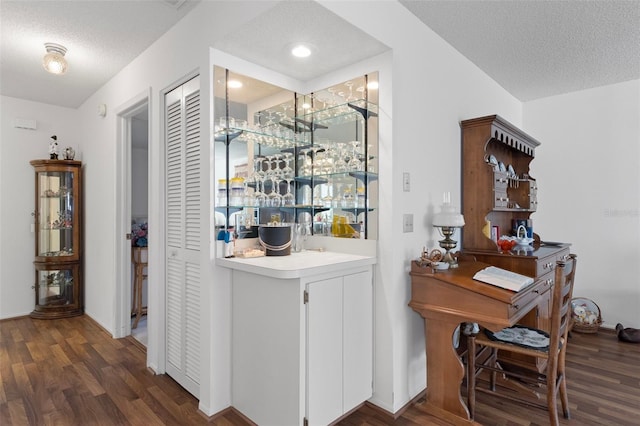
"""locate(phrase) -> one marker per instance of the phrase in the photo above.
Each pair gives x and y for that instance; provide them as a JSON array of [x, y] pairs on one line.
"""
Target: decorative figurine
[[69, 153], [53, 148]]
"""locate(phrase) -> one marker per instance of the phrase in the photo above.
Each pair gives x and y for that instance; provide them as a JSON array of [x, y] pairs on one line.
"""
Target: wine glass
[[336, 198], [349, 85], [288, 199], [276, 159], [306, 166], [260, 198], [348, 200], [275, 199], [327, 200], [287, 171], [258, 177], [339, 163], [354, 162]]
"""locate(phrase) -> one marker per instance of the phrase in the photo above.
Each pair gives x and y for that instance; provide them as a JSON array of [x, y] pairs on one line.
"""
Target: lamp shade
[[54, 60], [448, 217]]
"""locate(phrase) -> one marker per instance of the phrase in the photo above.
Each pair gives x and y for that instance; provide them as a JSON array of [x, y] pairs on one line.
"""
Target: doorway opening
[[132, 182], [139, 223]]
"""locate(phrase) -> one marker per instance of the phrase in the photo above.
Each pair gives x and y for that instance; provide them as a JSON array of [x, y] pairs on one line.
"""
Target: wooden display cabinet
[[497, 186], [58, 234]]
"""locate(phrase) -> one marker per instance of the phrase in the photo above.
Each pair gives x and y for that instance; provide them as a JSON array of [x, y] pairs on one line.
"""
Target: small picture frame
[[495, 233]]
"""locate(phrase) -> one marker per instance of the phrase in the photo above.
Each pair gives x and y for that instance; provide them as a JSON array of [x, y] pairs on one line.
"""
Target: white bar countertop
[[297, 265]]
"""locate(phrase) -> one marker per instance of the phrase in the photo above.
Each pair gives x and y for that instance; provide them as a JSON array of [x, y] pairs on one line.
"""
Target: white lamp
[[447, 221], [54, 61]]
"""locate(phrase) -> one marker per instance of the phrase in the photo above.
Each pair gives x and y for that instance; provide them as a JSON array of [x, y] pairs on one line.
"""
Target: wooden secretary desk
[[498, 193]]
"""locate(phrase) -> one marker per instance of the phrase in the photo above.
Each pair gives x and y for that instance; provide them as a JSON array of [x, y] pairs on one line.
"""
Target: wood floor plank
[[70, 372], [17, 413]]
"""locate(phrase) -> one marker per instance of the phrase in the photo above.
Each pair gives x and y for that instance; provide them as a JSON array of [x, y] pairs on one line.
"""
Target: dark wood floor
[[70, 372]]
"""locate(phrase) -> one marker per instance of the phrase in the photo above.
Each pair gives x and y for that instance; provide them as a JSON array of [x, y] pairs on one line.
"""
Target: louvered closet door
[[183, 234]]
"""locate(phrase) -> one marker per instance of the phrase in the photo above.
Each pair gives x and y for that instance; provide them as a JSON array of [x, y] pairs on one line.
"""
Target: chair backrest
[[561, 304]]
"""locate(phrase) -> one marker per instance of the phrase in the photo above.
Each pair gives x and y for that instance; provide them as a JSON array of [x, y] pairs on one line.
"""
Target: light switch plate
[[407, 222], [406, 182]]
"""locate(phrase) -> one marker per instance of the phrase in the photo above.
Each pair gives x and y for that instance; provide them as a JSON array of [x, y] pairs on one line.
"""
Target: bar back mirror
[[297, 158]]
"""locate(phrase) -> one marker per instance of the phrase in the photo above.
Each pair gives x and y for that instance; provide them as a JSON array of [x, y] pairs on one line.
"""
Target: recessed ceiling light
[[234, 84], [301, 51]]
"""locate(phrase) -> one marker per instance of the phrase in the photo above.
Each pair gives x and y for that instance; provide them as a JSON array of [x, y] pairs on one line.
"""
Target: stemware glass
[[288, 199], [287, 171], [274, 197], [354, 162], [306, 165], [260, 198], [339, 162], [276, 160], [337, 196], [258, 177], [349, 85], [348, 200], [327, 200]]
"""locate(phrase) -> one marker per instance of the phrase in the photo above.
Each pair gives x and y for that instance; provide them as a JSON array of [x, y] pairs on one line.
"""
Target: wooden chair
[[139, 260], [554, 353]]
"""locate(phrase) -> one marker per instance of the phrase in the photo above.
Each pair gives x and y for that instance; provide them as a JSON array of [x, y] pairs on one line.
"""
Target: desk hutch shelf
[[498, 187]]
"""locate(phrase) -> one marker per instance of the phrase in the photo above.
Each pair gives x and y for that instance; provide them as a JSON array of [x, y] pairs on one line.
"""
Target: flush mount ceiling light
[[54, 61], [234, 84], [301, 51]]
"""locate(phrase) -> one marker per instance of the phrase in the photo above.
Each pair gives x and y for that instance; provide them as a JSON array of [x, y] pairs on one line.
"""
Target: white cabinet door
[[339, 346], [182, 229], [357, 339], [324, 351]]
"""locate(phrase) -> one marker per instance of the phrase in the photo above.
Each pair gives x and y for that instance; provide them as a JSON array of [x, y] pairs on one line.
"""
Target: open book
[[503, 278]]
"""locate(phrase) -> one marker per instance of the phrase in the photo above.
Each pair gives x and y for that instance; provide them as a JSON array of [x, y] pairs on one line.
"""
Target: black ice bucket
[[276, 239]]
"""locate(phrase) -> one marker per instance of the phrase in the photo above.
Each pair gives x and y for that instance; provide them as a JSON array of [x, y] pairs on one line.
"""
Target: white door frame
[[122, 304]]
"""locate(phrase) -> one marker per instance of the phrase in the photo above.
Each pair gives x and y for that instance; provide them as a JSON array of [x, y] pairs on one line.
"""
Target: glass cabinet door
[[56, 215], [57, 289]]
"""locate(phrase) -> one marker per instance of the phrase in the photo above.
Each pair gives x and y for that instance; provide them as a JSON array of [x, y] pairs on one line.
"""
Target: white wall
[[17, 185], [188, 43], [589, 178], [433, 88]]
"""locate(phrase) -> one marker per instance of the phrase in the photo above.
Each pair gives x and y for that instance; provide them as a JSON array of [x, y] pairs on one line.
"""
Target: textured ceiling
[[532, 48], [101, 37], [334, 42], [536, 49]]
